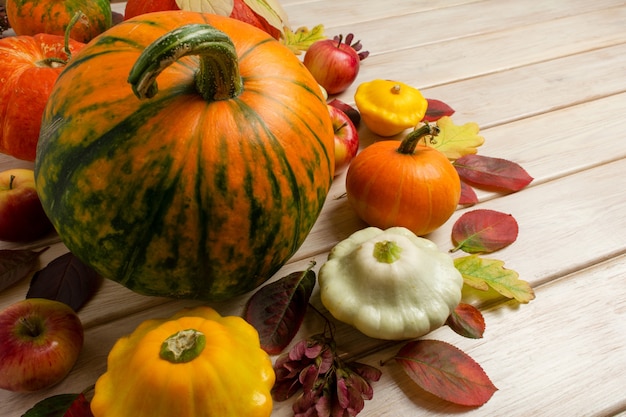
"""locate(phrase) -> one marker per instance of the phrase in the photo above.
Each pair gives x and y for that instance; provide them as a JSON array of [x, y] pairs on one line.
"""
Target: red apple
[[40, 341], [334, 63], [346, 139], [22, 218], [352, 112]]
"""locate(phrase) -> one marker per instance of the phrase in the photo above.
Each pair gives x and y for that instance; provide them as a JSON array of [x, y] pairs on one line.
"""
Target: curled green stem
[[218, 77]]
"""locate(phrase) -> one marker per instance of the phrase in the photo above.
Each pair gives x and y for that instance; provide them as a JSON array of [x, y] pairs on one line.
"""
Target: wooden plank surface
[[546, 83]]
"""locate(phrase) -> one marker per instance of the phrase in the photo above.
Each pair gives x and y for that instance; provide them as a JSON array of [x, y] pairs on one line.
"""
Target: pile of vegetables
[[187, 155]]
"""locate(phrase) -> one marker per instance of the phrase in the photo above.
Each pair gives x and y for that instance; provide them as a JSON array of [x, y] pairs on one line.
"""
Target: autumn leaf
[[16, 264], [65, 405], [446, 371], [65, 279], [467, 321], [269, 10], [455, 141], [481, 274], [484, 231], [468, 195], [492, 173], [277, 309], [436, 110], [218, 7], [302, 38]]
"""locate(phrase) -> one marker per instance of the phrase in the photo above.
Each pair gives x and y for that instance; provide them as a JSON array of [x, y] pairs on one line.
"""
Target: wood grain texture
[[545, 81]]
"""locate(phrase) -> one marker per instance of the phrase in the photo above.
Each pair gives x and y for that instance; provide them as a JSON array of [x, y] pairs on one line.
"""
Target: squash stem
[[410, 141], [183, 346], [387, 251], [218, 77]]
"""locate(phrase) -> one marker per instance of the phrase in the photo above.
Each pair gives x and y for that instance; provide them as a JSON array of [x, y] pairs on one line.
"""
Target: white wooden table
[[546, 81]]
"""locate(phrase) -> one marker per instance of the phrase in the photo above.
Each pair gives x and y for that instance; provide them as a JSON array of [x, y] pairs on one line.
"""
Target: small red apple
[[22, 218], [334, 63], [40, 341], [346, 139], [352, 112]]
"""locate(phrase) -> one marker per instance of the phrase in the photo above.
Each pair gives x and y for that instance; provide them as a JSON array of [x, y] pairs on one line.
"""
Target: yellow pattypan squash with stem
[[389, 107], [195, 364]]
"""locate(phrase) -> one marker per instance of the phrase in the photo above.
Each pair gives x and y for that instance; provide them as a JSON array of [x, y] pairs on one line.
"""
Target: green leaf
[[302, 38], [481, 273], [55, 406]]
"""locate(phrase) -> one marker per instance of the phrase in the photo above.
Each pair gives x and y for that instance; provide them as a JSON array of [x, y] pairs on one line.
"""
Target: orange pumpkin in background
[[401, 183], [240, 11], [30, 17], [29, 67]]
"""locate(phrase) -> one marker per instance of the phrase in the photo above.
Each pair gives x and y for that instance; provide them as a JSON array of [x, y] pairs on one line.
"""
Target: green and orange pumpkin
[[31, 17], [201, 175]]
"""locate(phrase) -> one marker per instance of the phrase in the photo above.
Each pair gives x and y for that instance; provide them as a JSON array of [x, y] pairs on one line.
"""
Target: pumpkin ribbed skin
[[30, 17], [29, 67], [176, 196]]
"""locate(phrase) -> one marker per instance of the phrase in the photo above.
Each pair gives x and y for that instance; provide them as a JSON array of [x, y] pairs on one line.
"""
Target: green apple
[[22, 218], [40, 341]]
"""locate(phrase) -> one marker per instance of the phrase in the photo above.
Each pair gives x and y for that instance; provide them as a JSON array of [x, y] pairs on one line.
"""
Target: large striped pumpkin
[[202, 189]]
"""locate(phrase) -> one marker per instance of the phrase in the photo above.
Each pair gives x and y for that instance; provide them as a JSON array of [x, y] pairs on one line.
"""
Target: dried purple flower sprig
[[328, 385]]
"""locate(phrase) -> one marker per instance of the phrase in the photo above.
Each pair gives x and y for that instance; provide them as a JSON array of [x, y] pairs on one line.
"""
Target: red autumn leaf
[[467, 321], [436, 110], [492, 173], [80, 408], [468, 195], [277, 310], [446, 371], [484, 231]]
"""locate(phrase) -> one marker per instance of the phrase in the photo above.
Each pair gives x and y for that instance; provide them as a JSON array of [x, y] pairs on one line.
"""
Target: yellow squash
[[389, 107], [195, 364]]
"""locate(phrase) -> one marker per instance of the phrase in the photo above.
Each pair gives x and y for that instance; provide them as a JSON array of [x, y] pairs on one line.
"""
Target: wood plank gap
[[583, 100]]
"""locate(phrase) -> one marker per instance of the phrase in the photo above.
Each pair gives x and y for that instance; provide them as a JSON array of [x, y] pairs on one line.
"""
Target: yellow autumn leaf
[[455, 141], [302, 38], [270, 10], [482, 274], [219, 7]]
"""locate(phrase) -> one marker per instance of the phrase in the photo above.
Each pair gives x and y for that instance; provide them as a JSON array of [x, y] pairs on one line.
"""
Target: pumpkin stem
[[218, 77], [183, 346], [55, 62], [410, 141]]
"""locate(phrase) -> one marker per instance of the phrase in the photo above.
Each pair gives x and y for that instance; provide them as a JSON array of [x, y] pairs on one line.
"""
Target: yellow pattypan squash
[[389, 107], [195, 364]]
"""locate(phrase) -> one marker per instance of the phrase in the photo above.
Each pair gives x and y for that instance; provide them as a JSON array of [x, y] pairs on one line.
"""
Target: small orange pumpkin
[[402, 183]]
